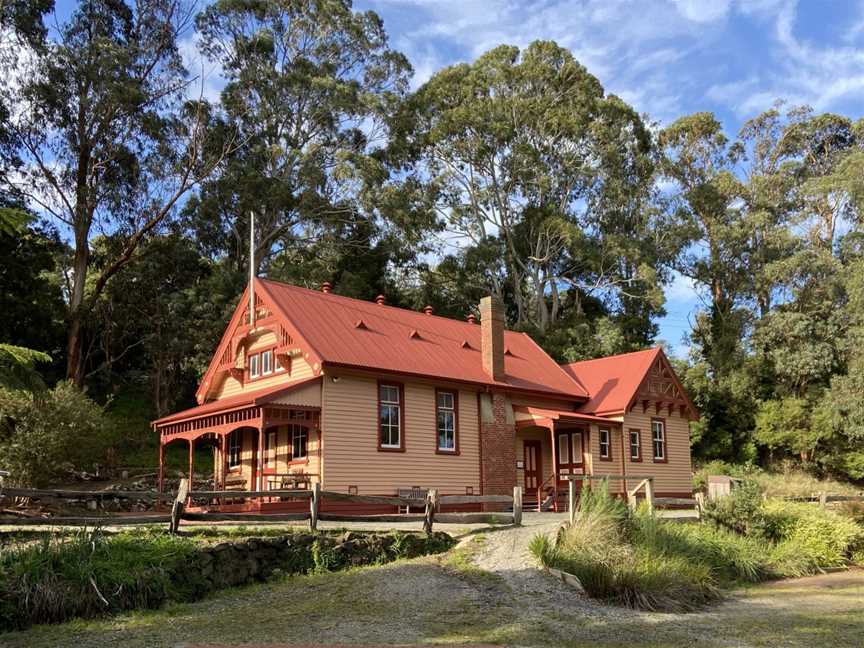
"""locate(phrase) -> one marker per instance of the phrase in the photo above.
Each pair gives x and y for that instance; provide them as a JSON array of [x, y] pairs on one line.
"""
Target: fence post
[[649, 494], [517, 505], [571, 501], [314, 505], [179, 505], [431, 503], [700, 505], [823, 499]]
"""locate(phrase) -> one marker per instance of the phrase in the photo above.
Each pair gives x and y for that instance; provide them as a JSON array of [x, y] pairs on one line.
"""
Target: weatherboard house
[[364, 398]]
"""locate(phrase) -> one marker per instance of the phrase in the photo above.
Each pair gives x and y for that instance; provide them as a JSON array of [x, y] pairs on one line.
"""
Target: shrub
[[731, 557], [808, 538], [40, 440], [739, 511]]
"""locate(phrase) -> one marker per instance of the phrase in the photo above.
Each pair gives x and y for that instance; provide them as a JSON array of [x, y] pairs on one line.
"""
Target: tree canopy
[[125, 199]]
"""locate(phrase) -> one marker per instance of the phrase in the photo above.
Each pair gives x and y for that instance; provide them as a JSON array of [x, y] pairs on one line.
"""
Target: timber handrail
[[53, 493], [552, 477], [184, 496], [286, 493]]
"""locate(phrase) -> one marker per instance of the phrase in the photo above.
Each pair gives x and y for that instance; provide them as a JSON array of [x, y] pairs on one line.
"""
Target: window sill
[[446, 452], [663, 460], [606, 459], [391, 449]]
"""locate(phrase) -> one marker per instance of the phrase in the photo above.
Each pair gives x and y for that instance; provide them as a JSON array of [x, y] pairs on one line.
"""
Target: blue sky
[[667, 58]]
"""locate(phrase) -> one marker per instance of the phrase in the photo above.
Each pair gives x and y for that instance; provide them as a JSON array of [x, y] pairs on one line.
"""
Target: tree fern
[[18, 368]]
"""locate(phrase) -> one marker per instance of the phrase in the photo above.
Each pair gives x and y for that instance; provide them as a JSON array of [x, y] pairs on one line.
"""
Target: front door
[[570, 444], [533, 466]]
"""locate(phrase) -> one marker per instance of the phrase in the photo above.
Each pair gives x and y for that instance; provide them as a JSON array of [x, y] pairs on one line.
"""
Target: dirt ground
[[485, 591]]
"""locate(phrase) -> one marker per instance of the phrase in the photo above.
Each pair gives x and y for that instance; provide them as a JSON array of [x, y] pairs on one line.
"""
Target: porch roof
[[259, 397], [533, 415]]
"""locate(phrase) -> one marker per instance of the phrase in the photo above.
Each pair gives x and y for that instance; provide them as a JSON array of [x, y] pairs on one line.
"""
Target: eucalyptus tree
[[309, 85], [108, 141], [525, 146]]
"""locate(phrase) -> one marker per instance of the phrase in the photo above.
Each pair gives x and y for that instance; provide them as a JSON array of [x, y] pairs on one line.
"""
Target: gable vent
[[360, 324]]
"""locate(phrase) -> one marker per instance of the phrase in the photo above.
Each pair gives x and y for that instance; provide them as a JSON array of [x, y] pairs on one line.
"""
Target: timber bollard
[[178, 506], [517, 505], [431, 505], [314, 506]]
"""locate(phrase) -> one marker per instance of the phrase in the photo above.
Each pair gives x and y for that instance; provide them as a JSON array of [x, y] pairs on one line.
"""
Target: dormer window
[[267, 363], [254, 366]]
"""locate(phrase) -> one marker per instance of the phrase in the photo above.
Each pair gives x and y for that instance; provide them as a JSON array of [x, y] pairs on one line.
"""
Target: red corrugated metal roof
[[612, 381], [235, 402], [386, 341]]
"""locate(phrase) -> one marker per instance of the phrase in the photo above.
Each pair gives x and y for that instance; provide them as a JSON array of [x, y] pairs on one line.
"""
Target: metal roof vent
[[360, 324], [380, 300]]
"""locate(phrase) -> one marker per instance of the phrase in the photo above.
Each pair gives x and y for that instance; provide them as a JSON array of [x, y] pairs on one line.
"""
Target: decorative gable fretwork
[[661, 392], [231, 357]]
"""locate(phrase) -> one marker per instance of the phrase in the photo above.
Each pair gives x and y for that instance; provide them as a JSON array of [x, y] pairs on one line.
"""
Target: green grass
[[90, 573], [368, 606], [639, 561]]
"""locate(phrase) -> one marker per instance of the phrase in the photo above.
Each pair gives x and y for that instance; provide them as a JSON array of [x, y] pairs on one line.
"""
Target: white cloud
[[681, 290], [206, 74], [703, 11]]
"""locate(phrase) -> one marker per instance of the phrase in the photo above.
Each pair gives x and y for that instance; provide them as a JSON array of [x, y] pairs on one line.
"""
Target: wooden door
[[570, 445], [533, 466]]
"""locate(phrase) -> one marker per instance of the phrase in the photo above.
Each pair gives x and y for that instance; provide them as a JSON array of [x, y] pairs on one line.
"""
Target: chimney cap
[[326, 287], [471, 319], [380, 300], [428, 309]]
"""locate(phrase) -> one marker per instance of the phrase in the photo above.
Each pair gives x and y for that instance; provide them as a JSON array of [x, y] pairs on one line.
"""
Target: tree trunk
[[76, 314]]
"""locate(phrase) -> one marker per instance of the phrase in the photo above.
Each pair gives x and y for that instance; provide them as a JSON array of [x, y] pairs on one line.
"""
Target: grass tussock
[[637, 560]]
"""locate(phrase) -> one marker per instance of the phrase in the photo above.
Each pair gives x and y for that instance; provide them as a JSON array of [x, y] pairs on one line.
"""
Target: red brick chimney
[[492, 337]]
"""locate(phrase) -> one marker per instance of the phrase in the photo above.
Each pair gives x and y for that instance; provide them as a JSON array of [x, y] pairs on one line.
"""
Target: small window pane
[[299, 440], [576, 447], [234, 449], [604, 443], [445, 400], [563, 449], [267, 362], [254, 367], [389, 394]]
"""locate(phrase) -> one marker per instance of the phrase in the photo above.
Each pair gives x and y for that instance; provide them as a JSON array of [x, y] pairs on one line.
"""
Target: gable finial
[[252, 268]]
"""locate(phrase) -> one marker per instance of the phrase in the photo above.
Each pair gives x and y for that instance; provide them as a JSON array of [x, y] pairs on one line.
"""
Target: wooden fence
[[644, 483], [180, 501]]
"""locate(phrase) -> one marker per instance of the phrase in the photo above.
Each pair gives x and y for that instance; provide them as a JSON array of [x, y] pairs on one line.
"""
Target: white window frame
[[635, 446], [446, 410], [391, 406], [608, 444], [658, 426], [254, 366], [267, 362]]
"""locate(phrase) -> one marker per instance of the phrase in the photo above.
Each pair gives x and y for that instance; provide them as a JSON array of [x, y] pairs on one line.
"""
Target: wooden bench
[[415, 492]]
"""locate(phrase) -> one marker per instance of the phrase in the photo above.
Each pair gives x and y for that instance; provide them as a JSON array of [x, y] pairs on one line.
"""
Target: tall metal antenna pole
[[251, 268]]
